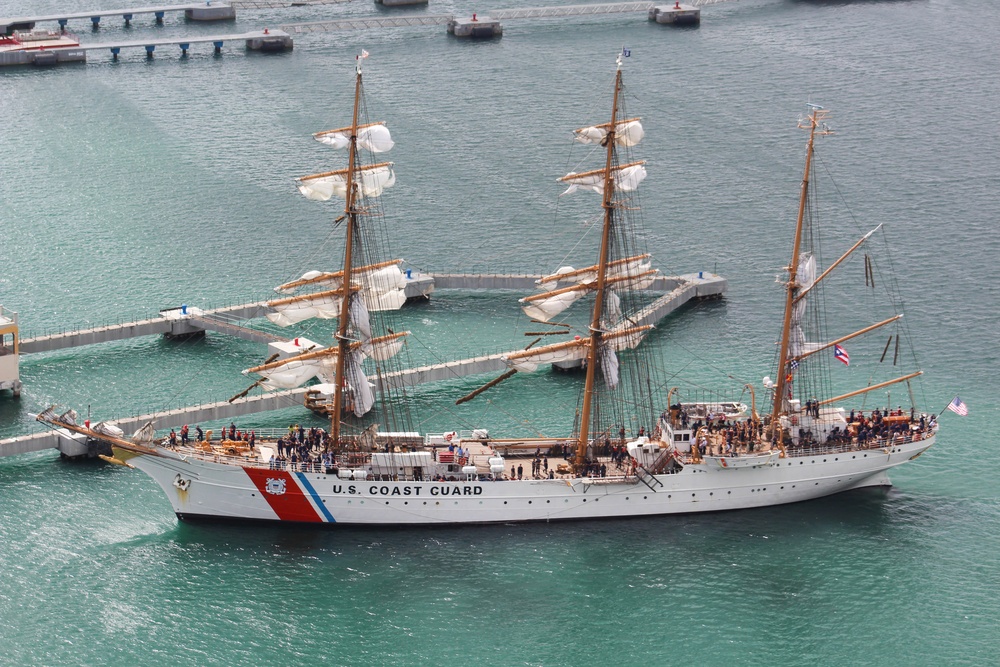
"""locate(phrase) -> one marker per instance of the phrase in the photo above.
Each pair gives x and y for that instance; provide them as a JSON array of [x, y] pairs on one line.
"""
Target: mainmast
[[343, 344], [784, 368], [602, 266]]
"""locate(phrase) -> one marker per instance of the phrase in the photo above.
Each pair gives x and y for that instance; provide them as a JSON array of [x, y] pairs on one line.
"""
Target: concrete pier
[[193, 12], [475, 27], [676, 14]]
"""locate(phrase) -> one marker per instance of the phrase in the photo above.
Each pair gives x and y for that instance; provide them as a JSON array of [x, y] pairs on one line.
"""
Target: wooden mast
[[595, 322], [780, 387], [343, 344]]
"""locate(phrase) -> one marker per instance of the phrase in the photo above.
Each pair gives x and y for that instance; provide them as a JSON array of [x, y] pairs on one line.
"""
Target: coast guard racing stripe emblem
[[285, 496]]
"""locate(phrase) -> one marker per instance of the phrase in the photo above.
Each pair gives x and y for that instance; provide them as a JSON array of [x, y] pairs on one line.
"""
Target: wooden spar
[[590, 269], [826, 346], [885, 349], [786, 327], [603, 125], [546, 333], [319, 354], [310, 297], [578, 342], [586, 286], [334, 275], [340, 172], [847, 254], [492, 383], [345, 129], [248, 389], [871, 388], [90, 433], [593, 172], [352, 220], [579, 461]]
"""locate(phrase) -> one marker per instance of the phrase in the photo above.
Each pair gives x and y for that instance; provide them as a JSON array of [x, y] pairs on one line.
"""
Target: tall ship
[[675, 456]]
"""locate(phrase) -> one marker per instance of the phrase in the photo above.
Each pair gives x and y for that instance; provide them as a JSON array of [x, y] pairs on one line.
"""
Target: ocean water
[[133, 186]]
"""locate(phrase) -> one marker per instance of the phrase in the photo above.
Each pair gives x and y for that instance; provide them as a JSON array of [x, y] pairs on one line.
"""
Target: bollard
[[184, 51], [115, 50], [159, 17], [95, 21], [62, 24], [218, 47], [128, 19], [149, 51]]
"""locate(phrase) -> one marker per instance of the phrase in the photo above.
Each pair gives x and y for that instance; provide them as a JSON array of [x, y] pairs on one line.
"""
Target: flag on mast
[[958, 407], [841, 355]]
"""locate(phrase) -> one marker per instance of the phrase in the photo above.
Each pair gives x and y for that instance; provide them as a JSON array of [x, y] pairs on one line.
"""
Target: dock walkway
[[682, 289]]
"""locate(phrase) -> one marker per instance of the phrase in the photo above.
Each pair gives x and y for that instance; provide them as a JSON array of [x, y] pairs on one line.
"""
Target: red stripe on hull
[[292, 505]]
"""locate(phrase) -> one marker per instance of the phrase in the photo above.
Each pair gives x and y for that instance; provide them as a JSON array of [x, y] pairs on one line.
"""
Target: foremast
[[781, 403], [602, 268], [351, 213]]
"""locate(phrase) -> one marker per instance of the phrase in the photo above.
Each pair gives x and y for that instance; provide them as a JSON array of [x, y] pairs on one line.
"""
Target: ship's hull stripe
[[290, 504], [315, 496]]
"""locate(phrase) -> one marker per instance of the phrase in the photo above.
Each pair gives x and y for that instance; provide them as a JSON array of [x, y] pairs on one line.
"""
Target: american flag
[[958, 407], [841, 355]]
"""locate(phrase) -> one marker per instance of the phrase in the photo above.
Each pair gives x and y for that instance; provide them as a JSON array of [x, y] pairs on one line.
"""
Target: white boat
[[693, 456]]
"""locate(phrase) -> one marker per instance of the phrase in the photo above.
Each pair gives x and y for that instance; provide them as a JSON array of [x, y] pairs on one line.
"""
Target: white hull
[[200, 489]]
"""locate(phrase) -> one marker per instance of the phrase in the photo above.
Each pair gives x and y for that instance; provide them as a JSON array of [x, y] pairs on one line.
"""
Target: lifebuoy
[[449, 436]]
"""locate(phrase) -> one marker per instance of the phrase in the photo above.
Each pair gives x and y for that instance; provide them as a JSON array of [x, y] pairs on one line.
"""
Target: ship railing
[[855, 445]]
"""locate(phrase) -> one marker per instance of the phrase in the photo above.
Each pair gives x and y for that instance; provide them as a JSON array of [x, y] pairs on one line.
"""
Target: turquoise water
[[133, 186]]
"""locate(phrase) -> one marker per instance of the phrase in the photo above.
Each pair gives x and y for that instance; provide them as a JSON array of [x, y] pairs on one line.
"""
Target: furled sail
[[609, 365], [335, 279], [355, 375], [627, 133], [374, 137], [627, 178], [805, 276], [359, 318], [371, 181], [627, 266], [547, 305], [322, 305], [297, 372], [573, 350]]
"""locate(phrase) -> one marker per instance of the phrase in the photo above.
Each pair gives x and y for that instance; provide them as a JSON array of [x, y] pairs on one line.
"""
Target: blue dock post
[[115, 50], [218, 47], [159, 17], [128, 19], [95, 21], [149, 51], [62, 24], [184, 48]]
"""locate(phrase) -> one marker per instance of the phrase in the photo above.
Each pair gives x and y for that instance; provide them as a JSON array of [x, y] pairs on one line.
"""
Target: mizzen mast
[[814, 120]]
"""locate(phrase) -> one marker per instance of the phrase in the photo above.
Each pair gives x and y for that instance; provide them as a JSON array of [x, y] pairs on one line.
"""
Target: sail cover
[[371, 183], [626, 180], [375, 138], [628, 133]]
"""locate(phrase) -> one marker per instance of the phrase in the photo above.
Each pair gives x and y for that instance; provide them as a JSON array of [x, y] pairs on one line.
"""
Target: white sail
[[628, 133], [359, 318], [530, 360], [613, 308], [335, 279], [323, 307], [805, 277], [355, 375], [616, 269], [545, 309], [609, 365], [626, 180], [375, 138], [385, 348], [294, 373], [371, 183], [384, 289]]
